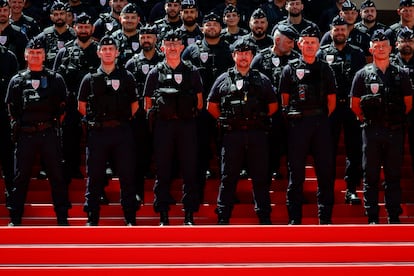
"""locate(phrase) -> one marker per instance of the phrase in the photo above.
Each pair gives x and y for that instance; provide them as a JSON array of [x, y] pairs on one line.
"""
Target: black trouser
[[6, 152]]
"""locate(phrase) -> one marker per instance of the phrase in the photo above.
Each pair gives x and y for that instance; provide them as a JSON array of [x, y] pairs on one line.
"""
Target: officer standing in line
[[212, 57], [258, 26], [232, 31], [242, 100], [173, 97], [405, 59], [270, 61], [345, 60], [57, 35], [191, 31], [36, 100], [73, 62], [108, 23], [140, 65], [8, 68], [381, 98], [108, 99], [308, 92], [406, 13], [172, 19], [27, 24]]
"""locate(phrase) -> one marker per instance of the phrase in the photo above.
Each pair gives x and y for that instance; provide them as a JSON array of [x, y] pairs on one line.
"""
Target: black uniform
[[14, 40], [128, 46], [308, 86], [35, 102], [382, 103], [106, 24], [8, 68], [244, 121], [191, 37], [27, 25], [73, 63], [345, 63]]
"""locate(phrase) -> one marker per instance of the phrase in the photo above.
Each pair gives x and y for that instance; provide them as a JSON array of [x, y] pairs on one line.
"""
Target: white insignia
[[115, 84], [276, 61], [374, 87], [178, 78], [35, 84], [102, 2], [190, 40], [109, 26], [60, 44], [3, 39], [204, 57], [145, 69], [135, 46], [300, 73], [239, 84], [330, 59]]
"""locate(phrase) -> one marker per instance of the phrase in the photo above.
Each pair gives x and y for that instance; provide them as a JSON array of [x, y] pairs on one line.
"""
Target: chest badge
[[115, 84], [300, 73], [102, 2], [145, 69], [276, 61], [239, 84], [3, 39], [374, 88], [204, 57], [178, 78], [330, 59], [35, 84], [135, 46], [109, 26]]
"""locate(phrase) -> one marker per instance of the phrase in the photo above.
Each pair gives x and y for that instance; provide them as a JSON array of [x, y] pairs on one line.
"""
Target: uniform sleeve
[[214, 95], [60, 87], [286, 82], [257, 62], [406, 84], [85, 88], [358, 85], [268, 90], [197, 82], [58, 60], [132, 87], [151, 82], [329, 78]]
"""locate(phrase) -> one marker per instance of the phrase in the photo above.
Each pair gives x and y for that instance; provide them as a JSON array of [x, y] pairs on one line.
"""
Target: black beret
[[367, 4], [258, 13], [243, 45], [4, 3], [36, 43], [288, 31], [406, 3], [338, 20], [188, 4], [58, 6], [310, 31], [68, 8], [405, 34], [83, 18], [230, 8], [148, 29], [108, 40], [211, 17], [173, 35], [130, 8], [349, 6], [379, 35]]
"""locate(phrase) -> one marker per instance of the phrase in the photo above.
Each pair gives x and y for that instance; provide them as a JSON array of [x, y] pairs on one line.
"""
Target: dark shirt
[[274, 14], [8, 68], [356, 37], [231, 38], [128, 46], [27, 25], [105, 25], [13, 39]]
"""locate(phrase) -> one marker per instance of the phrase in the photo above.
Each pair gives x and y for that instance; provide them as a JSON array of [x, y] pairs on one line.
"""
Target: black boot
[[188, 218], [164, 218], [93, 218], [352, 198], [130, 218], [62, 218]]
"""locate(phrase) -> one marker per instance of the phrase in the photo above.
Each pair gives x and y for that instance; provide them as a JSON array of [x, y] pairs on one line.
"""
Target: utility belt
[[36, 127], [387, 125], [294, 114], [104, 124]]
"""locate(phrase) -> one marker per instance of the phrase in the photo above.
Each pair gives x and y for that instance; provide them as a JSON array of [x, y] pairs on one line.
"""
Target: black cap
[[405, 34], [188, 4], [36, 43], [310, 31], [108, 40], [349, 6], [148, 29], [68, 8], [83, 18], [58, 6], [173, 35], [379, 35], [406, 3], [230, 8], [288, 31], [367, 4], [130, 8], [243, 45], [4, 3], [338, 20], [258, 13], [211, 17]]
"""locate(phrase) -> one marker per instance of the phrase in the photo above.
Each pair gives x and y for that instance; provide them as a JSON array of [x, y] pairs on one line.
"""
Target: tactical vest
[[383, 103], [175, 98], [271, 65], [108, 99], [311, 90], [244, 104]]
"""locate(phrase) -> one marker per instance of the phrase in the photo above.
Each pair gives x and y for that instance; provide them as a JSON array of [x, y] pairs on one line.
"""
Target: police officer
[[191, 31], [406, 13], [107, 23], [27, 24], [140, 65], [36, 99], [270, 61], [73, 62], [212, 57], [57, 35], [405, 59], [308, 92], [345, 59], [173, 96], [127, 36], [258, 30], [8, 68], [381, 98], [242, 99], [231, 18], [171, 20], [369, 23], [108, 99]]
